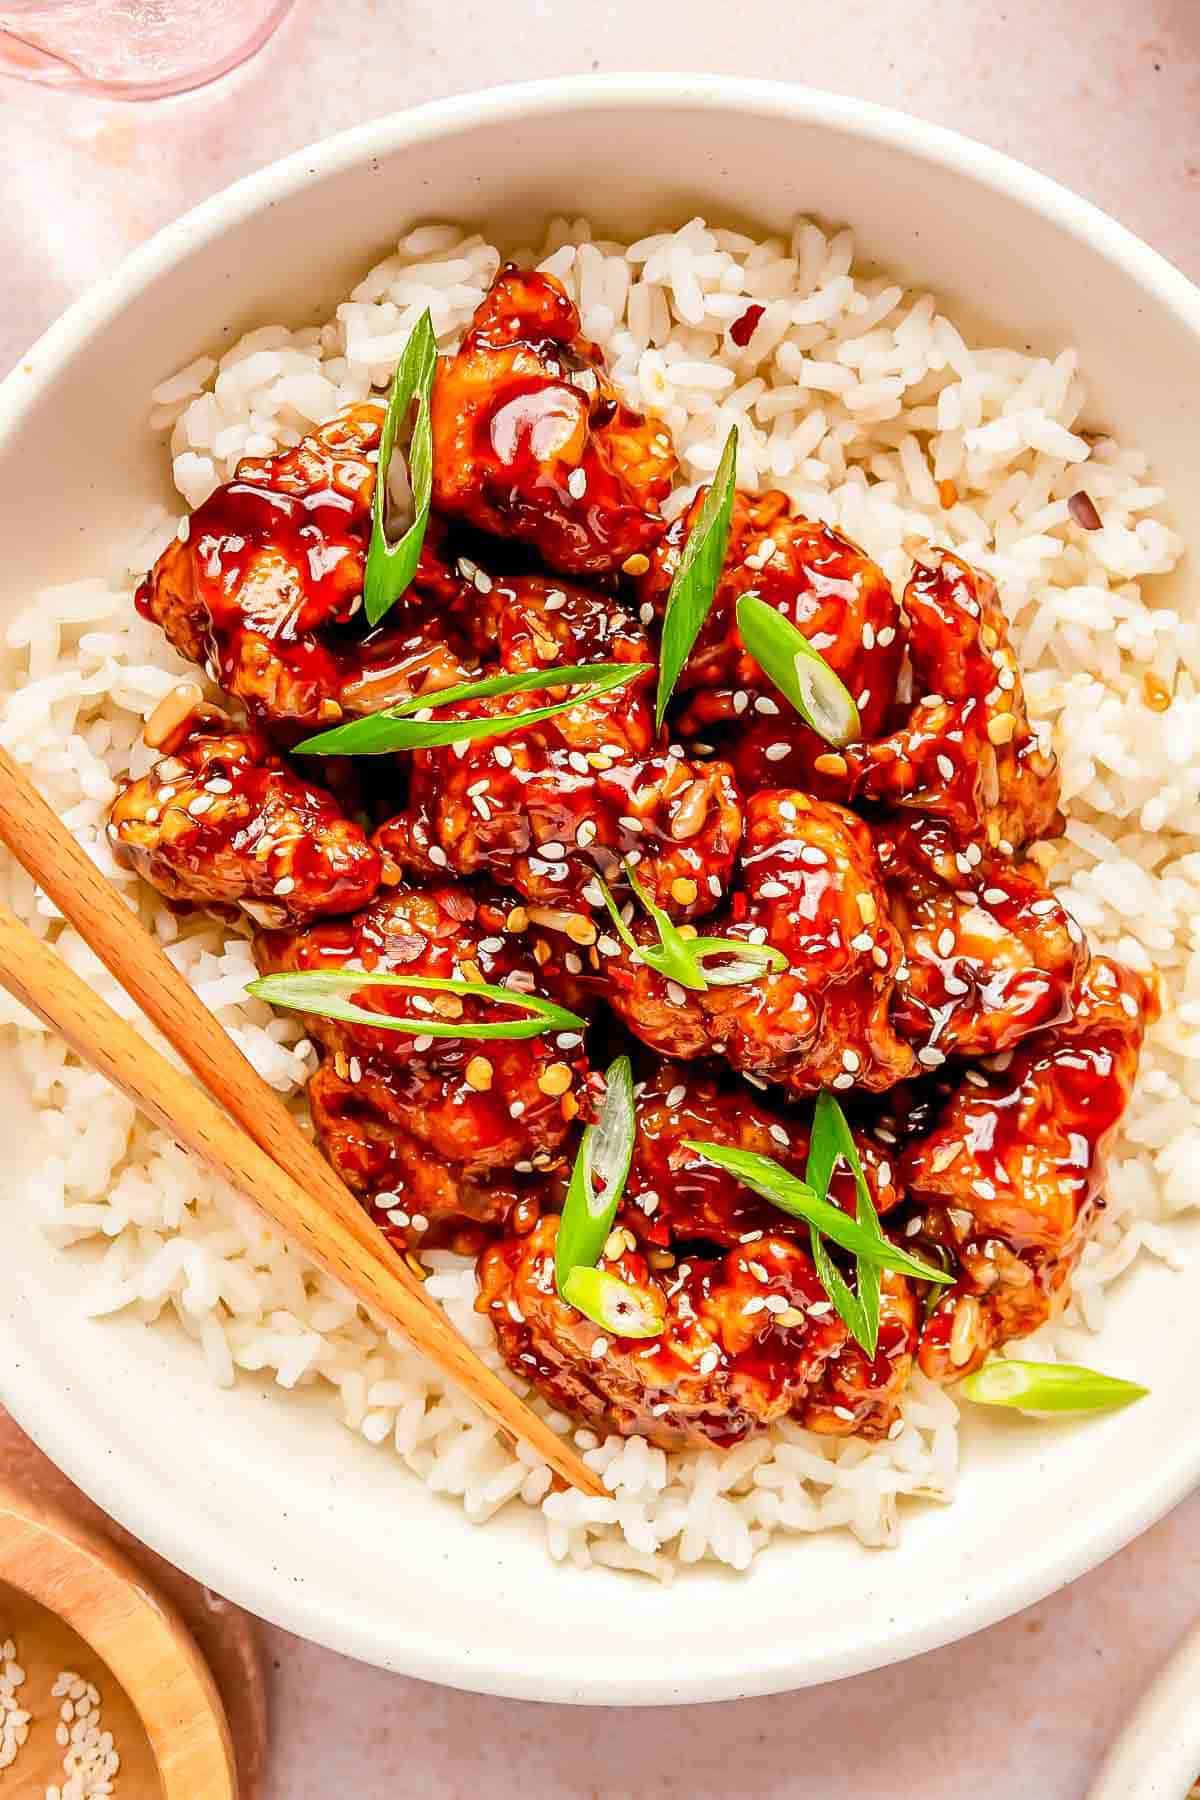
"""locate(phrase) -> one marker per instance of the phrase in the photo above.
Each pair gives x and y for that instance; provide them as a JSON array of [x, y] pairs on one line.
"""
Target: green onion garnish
[[390, 567], [393, 729], [321, 990], [607, 1300], [769, 1179], [800, 673], [832, 1138], [598, 1178], [696, 578], [682, 959], [1048, 1387]]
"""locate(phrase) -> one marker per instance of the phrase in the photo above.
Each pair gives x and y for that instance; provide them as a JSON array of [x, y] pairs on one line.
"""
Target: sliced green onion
[[697, 576], [830, 1139], [1048, 1387], [610, 1302], [393, 729], [598, 1178], [320, 991], [670, 957], [750, 961], [769, 1179], [391, 567], [681, 959], [800, 673]]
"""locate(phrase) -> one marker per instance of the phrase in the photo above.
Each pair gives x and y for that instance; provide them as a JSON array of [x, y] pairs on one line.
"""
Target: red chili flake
[[1083, 511], [743, 327], [741, 907]]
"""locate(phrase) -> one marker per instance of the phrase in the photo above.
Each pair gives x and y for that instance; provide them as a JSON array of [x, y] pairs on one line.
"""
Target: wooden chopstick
[[318, 1210], [42, 844], [40, 980]]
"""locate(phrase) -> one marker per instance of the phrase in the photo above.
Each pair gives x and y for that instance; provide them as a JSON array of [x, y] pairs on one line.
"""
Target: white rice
[[857, 398]]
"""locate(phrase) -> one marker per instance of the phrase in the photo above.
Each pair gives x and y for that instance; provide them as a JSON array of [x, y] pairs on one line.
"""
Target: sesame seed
[[676, 994], [422, 1043], [775, 1303], [780, 1135], [608, 946], [218, 785], [438, 857], [1042, 907], [758, 935], [200, 805], [816, 859], [994, 896], [420, 1222], [843, 1412], [503, 755], [553, 851], [572, 963], [884, 1173], [945, 768], [932, 1059], [741, 701], [599, 1348], [862, 942], [956, 988], [789, 1317], [864, 699], [755, 1304], [577, 484], [284, 885], [677, 1095], [843, 1081], [709, 1361], [879, 956], [886, 636], [946, 942], [772, 890], [851, 1060], [765, 704], [776, 752], [684, 890]]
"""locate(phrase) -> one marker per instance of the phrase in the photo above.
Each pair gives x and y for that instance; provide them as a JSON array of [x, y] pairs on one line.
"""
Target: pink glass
[[135, 49]]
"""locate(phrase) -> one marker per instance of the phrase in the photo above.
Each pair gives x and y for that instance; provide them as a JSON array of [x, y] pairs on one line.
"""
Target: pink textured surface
[[1107, 99]]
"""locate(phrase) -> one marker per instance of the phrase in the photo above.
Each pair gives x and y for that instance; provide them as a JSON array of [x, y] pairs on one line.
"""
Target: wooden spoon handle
[[32, 972], [42, 844]]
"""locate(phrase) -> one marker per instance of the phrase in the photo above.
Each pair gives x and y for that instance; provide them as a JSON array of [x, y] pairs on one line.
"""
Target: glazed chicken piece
[[990, 954], [861, 1394], [966, 754], [722, 1368], [673, 1196], [264, 589], [224, 821], [750, 1334], [1009, 1177], [543, 807], [812, 888], [821, 583], [427, 1116], [531, 441]]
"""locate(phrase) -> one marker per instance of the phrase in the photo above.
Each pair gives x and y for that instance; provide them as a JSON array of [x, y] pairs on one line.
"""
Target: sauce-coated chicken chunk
[[746, 1334], [265, 588], [224, 821], [530, 440], [674, 1196], [811, 888], [966, 753], [542, 807], [1009, 1176], [821, 583], [387, 1098], [990, 953]]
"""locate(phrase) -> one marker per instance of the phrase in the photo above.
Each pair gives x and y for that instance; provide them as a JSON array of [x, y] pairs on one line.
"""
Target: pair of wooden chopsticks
[[275, 1165]]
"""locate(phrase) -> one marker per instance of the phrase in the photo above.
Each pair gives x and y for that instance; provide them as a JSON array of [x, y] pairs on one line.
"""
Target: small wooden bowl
[[60, 1582]]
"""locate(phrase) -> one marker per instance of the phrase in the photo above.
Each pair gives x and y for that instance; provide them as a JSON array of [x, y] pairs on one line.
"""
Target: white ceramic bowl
[[1157, 1756], [267, 1500]]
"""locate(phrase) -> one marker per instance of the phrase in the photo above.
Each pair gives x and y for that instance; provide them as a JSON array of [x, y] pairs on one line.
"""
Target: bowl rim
[[1111, 1524]]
